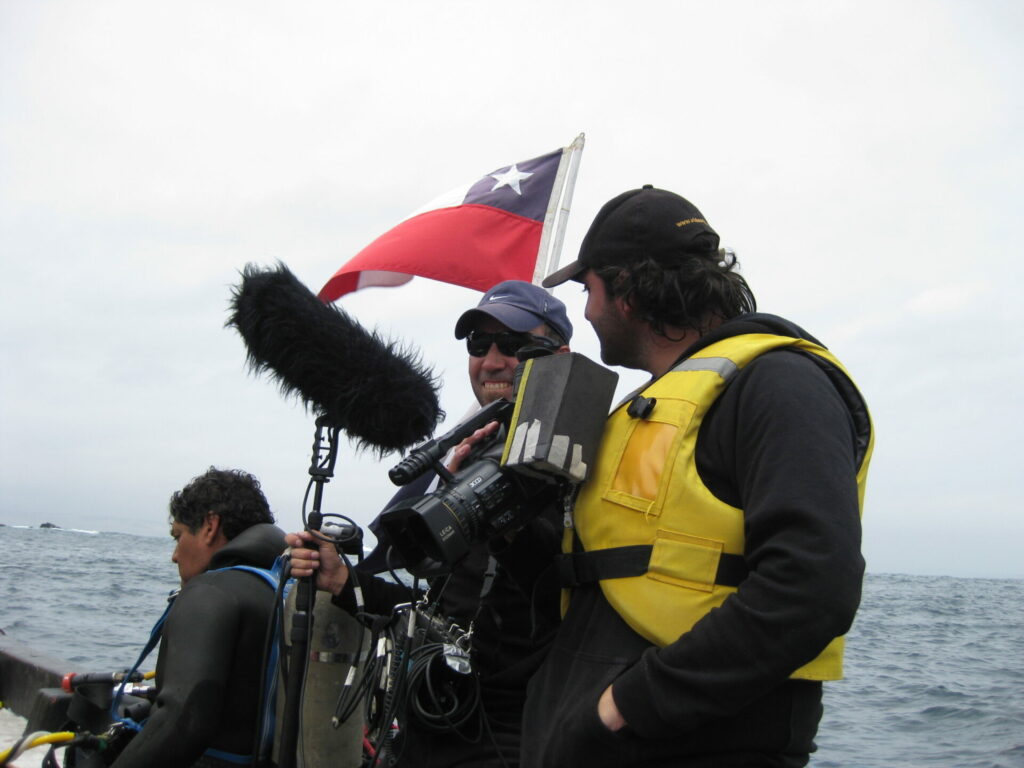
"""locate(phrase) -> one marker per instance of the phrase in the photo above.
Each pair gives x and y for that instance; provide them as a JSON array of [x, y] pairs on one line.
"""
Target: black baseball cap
[[520, 306], [642, 222]]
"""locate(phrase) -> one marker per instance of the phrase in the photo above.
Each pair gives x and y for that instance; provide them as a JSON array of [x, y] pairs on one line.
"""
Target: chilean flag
[[475, 236]]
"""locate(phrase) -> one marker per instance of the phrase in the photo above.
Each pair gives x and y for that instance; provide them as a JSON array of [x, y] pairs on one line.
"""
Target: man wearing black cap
[[512, 621], [713, 555]]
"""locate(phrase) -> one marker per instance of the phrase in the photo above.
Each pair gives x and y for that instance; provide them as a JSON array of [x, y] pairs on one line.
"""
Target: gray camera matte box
[[561, 407]]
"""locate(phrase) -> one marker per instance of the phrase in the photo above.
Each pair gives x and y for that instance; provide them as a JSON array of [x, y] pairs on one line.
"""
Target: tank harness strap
[[267, 716], [578, 568], [272, 577]]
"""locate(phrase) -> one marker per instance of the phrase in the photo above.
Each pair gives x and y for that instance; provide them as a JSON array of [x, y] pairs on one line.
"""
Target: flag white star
[[511, 178]]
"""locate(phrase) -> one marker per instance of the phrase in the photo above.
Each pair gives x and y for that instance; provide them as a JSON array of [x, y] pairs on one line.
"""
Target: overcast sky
[[864, 159]]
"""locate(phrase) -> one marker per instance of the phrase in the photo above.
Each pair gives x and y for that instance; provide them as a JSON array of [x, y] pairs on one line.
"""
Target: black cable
[[410, 678], [395, 695], [486, 721], [50, 758], [394, 692], [305, 676], [441, 701], [283, 656], [344, 708], [392, 570], [305, 500], [350, 698]]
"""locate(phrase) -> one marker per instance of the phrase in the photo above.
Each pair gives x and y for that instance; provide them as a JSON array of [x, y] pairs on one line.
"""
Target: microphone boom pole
[[321, 470], [378, 393]]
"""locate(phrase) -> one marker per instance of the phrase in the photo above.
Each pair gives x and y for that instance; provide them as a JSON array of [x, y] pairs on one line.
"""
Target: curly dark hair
[[697, 292], [231, 493]]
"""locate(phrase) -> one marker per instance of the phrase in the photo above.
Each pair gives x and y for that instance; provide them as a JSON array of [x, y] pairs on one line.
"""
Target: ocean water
[[934, 665], [84, 597]]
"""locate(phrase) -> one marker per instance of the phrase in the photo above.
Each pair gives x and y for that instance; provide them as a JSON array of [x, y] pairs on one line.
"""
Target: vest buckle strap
[[578, 568]]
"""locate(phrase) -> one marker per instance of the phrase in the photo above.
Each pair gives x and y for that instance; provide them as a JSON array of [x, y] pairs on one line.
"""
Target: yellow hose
[[37, 739]]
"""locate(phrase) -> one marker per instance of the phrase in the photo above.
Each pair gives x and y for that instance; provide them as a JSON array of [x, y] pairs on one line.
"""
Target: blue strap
[[271, 576], [268, 716], [154, 638]]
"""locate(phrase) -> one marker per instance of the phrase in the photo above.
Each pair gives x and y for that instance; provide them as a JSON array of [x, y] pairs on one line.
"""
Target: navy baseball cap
[[641, 223], [520, 306]]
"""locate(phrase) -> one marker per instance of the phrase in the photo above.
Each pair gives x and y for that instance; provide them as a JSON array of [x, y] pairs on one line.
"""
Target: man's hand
[[331, 573], [608, 712], [461, 451]]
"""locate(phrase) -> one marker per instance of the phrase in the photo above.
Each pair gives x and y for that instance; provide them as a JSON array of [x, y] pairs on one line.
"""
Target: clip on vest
[[640, 407]]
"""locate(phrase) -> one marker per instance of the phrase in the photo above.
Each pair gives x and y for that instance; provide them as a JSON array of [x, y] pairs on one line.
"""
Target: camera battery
[[561, 405]]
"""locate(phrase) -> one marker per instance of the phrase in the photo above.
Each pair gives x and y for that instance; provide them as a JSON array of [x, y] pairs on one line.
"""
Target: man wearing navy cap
[[512, 622], [713, 554], [511, 315]]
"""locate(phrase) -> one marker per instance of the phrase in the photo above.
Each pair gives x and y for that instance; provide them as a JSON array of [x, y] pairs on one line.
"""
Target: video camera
[[548, 440]]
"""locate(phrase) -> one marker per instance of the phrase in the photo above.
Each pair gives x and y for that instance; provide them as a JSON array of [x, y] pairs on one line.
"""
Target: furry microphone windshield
[[378, 393]]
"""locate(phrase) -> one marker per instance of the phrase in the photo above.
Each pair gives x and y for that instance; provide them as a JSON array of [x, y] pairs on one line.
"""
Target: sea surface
[[934, 664]]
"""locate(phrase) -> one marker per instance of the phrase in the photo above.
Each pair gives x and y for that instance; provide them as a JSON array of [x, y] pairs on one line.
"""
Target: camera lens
[[437, 530]]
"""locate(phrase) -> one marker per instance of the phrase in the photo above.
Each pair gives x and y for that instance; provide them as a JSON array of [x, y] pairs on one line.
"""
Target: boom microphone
[[377, 392]]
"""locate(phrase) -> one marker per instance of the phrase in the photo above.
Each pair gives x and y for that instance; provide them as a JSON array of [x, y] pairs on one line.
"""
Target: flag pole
[[557, 216]]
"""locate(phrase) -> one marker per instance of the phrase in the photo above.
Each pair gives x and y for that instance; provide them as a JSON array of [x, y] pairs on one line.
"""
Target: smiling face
[[491, 375]]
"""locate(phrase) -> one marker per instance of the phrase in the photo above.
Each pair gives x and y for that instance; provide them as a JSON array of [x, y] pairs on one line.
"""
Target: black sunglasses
[[478, 343]]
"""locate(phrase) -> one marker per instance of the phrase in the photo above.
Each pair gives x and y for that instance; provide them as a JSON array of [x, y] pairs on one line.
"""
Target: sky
[[863, 159]]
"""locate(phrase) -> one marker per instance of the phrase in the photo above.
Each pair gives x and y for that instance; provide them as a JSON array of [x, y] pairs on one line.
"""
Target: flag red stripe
[[475, 246]]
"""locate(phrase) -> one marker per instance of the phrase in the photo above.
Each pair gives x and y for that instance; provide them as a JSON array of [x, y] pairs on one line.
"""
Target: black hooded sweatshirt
[[778, 443]]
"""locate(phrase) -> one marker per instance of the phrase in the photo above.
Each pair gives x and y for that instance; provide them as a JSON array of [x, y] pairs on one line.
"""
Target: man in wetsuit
[[713, 556], [210, 666], [511, 620]]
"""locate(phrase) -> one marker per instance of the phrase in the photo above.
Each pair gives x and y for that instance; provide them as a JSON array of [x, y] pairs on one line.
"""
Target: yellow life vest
[[645, 490]]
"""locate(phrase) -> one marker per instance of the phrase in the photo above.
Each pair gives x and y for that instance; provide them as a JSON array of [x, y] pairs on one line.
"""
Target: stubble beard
[[619, 342]]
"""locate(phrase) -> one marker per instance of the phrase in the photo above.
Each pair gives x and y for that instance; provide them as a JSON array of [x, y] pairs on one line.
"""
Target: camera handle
[[429, 454]]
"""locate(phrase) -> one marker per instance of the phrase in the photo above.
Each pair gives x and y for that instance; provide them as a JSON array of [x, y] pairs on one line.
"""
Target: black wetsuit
[[778, 443], [210, 662]]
